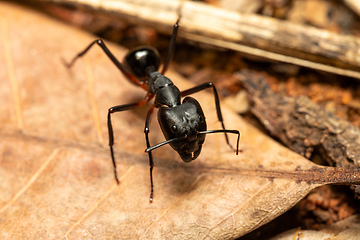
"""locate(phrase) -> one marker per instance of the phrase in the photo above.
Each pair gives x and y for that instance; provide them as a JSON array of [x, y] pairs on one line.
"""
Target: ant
[[182, 123]]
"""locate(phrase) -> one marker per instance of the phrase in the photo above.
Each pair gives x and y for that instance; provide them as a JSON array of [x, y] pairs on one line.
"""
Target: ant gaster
[[182, 123]]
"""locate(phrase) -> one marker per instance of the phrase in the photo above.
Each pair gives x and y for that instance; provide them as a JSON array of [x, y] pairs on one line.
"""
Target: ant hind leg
[[111, 56]]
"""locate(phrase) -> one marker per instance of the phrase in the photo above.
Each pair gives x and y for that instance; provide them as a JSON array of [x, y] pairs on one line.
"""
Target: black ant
[[182, 123]]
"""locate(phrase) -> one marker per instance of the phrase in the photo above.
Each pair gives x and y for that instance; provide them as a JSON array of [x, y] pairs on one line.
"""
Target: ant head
[[184, 122], [142, 59]]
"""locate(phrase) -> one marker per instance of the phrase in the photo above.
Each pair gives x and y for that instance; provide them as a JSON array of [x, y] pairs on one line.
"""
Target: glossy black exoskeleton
[[182, 123]]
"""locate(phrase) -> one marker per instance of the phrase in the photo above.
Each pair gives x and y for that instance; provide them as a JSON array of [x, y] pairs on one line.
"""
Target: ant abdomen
[[142, 60]]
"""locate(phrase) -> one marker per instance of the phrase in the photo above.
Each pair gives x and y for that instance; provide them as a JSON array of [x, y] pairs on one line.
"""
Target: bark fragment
[[302, 125]]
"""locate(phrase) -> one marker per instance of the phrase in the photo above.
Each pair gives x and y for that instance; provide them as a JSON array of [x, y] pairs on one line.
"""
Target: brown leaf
[[345, 229], [57, 176]]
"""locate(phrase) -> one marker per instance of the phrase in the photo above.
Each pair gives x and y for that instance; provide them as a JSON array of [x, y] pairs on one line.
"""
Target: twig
[[248, 33], [354, 5]]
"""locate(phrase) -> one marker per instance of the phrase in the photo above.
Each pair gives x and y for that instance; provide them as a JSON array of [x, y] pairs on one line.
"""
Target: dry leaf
[[57, 176], [346, 229]]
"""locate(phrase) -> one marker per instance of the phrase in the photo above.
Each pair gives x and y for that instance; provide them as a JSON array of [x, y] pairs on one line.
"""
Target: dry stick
[[248, 33], [354, 5]]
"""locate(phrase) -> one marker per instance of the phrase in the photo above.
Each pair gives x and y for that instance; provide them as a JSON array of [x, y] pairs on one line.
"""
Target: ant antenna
[[149, 149]]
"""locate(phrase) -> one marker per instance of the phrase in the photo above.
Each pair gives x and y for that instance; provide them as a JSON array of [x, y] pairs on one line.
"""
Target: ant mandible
[[182, 123]]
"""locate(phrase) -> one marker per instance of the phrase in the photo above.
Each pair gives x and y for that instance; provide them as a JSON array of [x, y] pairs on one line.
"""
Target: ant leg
[[120, 108], [118, 64], [151, 161], [217, 103], [171, 48]]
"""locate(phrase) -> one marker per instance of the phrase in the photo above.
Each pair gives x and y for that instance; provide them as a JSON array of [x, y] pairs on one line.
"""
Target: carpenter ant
[[182, 123]]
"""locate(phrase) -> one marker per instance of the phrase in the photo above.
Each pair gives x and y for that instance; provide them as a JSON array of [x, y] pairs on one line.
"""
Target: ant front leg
[[217, 103], [120, 108], [151, 161]]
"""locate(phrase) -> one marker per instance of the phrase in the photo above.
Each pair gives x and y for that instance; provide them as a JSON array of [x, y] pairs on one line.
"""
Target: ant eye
[[202, 119], [173, 128]]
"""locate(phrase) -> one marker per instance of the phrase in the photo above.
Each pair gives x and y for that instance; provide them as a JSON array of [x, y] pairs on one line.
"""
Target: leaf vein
[[97, 203], [31, 180], [237, 209], [9, 61], [93, 104]]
